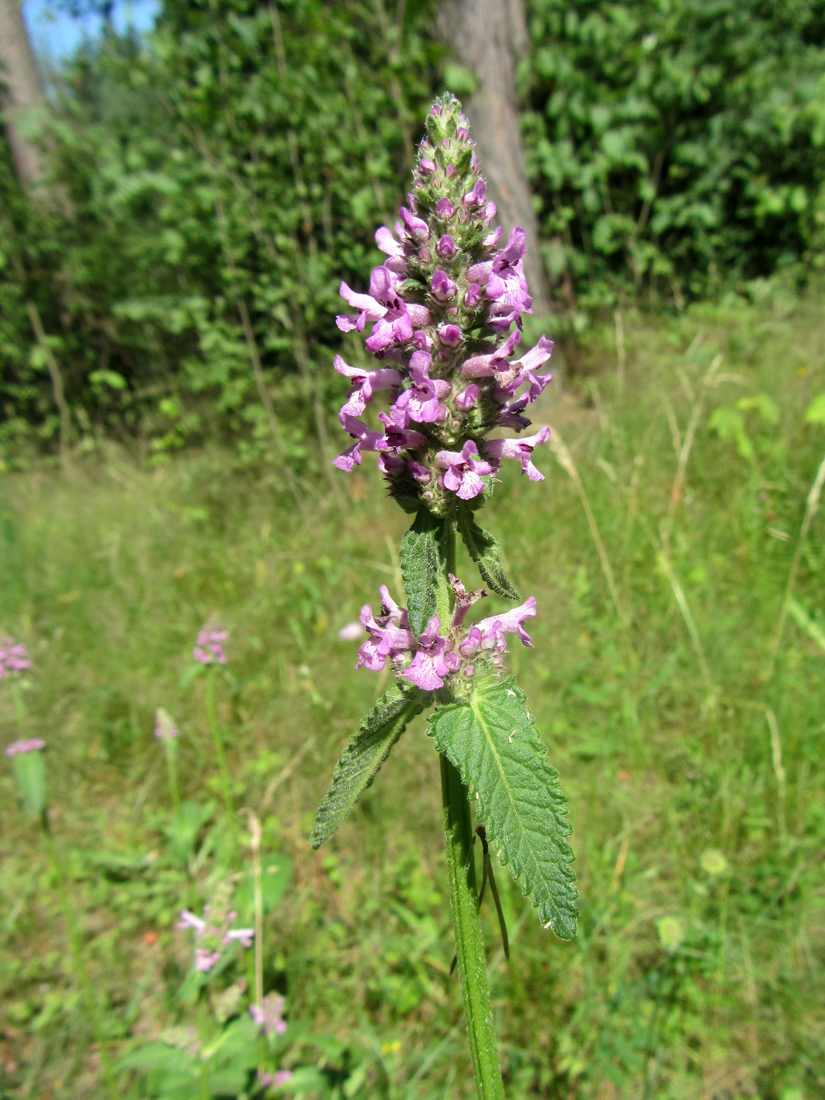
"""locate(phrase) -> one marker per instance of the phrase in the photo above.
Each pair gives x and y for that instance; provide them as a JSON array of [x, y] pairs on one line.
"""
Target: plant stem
[[472, 964], [458, 829], [19, 706], [219, 751], [80, 966], [171, 748]]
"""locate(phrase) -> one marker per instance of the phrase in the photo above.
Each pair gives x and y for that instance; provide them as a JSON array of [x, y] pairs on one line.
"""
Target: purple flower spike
[[209, 649], [433, 661], [20, 748], [463, 471], [520, 449]]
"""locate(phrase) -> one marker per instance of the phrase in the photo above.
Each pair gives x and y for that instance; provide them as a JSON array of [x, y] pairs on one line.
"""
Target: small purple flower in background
[[13, 657], [213, 932], [165, 728], [268, 1015], [209, 649], [351, 632], [273, 1080], [19, 748]]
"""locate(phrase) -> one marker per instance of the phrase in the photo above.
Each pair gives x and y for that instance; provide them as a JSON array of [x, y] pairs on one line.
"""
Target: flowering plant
[[445, 310]]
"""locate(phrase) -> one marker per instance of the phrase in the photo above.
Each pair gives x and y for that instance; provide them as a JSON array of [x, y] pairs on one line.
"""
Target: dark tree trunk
[[486, 36], [20, 88]]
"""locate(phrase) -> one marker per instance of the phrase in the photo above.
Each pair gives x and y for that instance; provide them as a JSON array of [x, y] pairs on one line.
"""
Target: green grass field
[[686, 731]]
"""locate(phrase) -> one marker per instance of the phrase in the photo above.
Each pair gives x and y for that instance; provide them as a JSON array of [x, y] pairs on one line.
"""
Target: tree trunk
[[486, 37], [20, 88]]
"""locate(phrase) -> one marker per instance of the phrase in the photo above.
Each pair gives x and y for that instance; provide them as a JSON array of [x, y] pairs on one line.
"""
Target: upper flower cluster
[[431, 658], [441, 307]]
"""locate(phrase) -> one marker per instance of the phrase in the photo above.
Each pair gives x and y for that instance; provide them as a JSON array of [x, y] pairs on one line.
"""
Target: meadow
[[677, 681]]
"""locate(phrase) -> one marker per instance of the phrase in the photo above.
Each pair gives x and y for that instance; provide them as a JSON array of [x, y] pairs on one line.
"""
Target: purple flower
[[206, 959], [268, 1015], [463, 471], [463, 600], [416, 227], [273, 1080], [165, 728], [394, 249], [213, 933], [488, 635], [520, 449], [366, 440], [365, 383], [421, 402], [472, 295], [443, 287], [13, 657], [398, 436], [20, 748], [390, 634], [475, 197], [485, 366], [446, 247], [209, 648], [433, 660], [445, 209], [468, 397], [368, 310], [449, 336]]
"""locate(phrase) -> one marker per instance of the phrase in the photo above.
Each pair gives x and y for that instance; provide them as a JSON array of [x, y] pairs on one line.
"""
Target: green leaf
[[486, 553], [364, 755], [30, 773], [816, 410], [422, 566], [494, 743]]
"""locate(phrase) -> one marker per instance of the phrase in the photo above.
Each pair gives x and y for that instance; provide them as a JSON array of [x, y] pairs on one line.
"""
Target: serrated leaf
[[364, 755], [486, 553], [422, 566], [494, 743]]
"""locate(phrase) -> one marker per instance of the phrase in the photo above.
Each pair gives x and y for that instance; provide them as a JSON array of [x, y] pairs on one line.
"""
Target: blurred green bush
[[675, 145]]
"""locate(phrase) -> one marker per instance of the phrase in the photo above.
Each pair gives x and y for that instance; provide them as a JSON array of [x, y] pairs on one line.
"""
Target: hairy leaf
[[494, 743], [486, 553], [364, 755], [422, 566]]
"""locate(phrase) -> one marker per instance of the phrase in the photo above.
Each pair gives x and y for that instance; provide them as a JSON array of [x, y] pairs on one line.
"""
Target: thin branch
[[57, 380]]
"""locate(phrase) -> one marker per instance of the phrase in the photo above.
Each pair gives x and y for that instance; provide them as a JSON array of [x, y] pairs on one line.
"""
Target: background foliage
[[235, 166]]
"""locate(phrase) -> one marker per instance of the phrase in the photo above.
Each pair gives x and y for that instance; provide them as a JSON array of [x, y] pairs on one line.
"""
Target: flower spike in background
[[443, 320]]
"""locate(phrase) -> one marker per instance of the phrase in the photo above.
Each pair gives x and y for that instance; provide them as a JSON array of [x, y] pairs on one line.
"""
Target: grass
[[694, 776]]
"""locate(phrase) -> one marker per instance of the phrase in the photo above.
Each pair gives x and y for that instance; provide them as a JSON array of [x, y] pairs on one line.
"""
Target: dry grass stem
[[565, 460], [811, 507]]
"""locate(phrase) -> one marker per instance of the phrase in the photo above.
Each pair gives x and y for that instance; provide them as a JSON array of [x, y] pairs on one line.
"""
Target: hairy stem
[[472, 963], [215, 730], [80, 966], [171, 750]]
